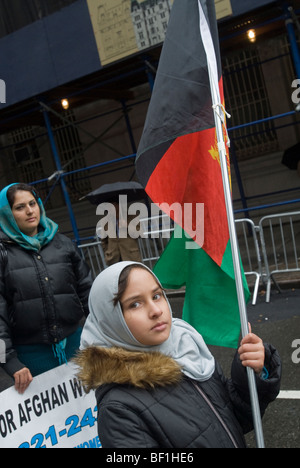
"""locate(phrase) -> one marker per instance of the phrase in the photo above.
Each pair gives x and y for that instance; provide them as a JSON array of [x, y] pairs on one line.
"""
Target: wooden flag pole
[[219, 120]]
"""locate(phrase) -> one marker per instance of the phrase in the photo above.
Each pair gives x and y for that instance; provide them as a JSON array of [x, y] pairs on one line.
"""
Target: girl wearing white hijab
[[157, 384]]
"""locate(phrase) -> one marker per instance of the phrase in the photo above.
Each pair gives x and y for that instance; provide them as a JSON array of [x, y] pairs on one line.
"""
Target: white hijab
[[106, 327]]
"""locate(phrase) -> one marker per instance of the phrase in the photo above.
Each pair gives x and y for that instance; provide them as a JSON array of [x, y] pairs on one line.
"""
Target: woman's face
[[145, 309], [26, 212]]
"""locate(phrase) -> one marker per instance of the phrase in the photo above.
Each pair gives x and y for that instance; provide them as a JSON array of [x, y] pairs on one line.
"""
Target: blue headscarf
[[47, 228]]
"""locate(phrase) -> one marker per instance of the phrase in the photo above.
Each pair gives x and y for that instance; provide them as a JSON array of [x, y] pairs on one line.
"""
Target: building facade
[[150, 20]]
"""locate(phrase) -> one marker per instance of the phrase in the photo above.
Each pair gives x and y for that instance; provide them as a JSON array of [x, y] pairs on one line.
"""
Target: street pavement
[[277, 322]]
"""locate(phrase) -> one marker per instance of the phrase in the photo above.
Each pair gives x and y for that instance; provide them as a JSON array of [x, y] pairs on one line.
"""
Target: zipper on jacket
[[216, 413], [78, 298]]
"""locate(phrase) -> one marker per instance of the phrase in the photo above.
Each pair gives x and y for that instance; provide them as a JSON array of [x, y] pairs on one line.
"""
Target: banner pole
[[236, 261]]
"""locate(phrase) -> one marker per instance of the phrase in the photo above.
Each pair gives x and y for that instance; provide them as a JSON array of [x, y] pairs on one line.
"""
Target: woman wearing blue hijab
[[44, 287]]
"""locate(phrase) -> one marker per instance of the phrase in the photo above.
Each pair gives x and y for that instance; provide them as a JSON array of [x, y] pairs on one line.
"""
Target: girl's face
[[26, 212], [145, 309]]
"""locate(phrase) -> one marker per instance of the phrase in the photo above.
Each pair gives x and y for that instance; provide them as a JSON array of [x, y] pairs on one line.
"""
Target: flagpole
[[236, 259], [219, 119]]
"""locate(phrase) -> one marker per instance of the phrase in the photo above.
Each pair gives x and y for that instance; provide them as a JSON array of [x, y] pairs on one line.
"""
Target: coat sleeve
[[267, 389], [12, 363], [120, 427], [83, 277]]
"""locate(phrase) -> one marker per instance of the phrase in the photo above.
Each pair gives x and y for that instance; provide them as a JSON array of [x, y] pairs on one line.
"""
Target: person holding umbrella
[[117, 242], [118, 247]]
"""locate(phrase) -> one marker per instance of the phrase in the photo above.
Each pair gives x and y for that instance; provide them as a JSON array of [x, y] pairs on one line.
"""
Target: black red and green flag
[[178, 162]]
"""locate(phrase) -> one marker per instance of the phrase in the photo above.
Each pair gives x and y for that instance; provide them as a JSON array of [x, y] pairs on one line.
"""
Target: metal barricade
[[155, 235], [156, 232], [280, 241], [250, 252], [94, 256], [266, 250]]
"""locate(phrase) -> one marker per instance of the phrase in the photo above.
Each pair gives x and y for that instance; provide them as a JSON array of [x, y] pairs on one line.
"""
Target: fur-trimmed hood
[[99, 366]]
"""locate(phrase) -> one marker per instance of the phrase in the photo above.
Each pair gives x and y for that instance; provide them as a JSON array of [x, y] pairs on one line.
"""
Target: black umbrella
[[111, 192], [291, 157]]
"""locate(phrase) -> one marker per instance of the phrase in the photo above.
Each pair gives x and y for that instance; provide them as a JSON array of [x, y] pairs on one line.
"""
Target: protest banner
[[54, 412]]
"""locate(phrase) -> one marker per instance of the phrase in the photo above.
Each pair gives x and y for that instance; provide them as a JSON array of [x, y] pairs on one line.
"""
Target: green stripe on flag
[[211, 304]]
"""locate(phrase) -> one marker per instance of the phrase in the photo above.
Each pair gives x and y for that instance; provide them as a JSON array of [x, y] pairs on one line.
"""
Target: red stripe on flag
[[190, 172]]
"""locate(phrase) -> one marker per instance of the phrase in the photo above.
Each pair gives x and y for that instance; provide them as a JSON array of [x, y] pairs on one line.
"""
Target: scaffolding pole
[[60, 171], [292, 38]]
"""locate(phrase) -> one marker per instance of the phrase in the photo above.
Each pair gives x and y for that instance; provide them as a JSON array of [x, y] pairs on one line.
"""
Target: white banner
[[54, 412]]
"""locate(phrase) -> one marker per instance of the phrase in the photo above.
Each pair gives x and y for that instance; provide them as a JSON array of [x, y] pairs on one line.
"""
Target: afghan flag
[[179, 165]]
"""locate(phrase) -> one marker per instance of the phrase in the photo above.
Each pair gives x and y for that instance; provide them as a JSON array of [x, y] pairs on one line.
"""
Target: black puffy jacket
[[43, 295], [143, 404]]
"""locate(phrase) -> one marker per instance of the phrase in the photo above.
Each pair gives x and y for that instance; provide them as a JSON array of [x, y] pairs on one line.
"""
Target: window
[[247, 101], [32, 158], [71, 153]]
